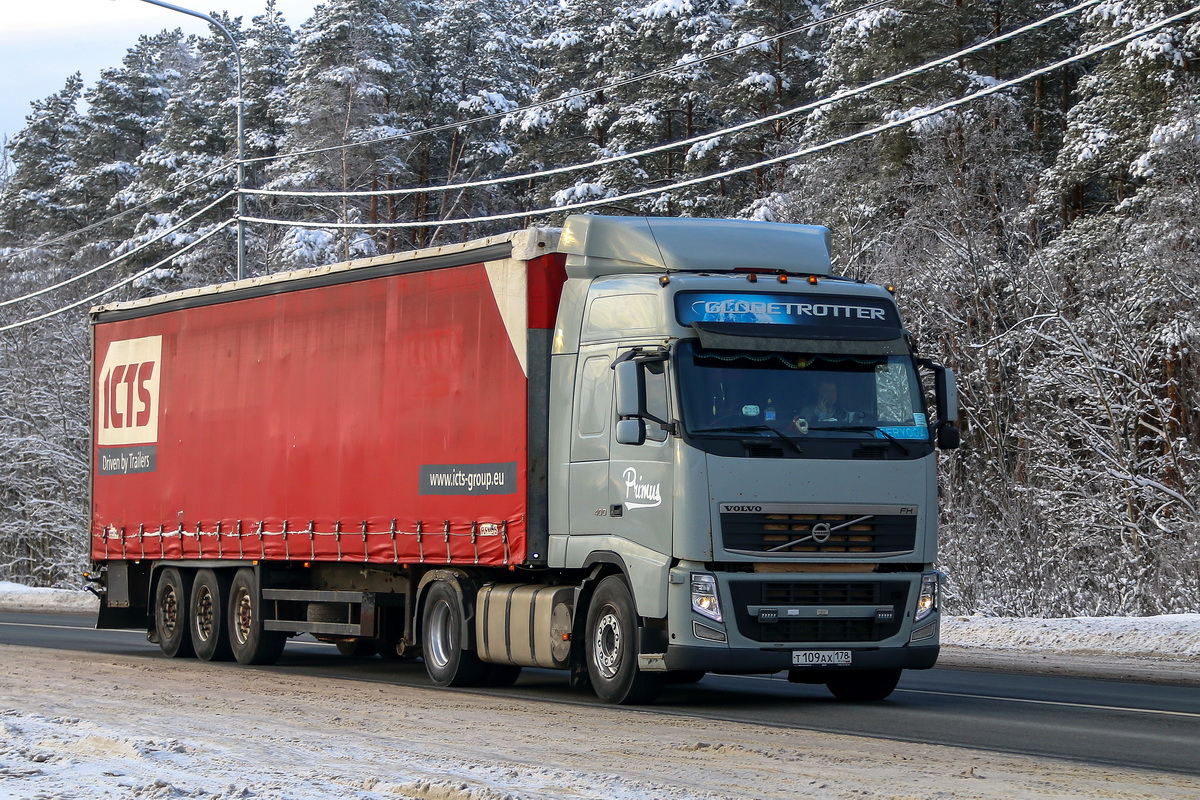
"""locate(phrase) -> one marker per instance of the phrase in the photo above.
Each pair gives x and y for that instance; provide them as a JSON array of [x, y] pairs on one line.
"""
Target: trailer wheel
[[208, 617], [446, 661], [864, 685], [612, 647], [171, 613], [251, 643]]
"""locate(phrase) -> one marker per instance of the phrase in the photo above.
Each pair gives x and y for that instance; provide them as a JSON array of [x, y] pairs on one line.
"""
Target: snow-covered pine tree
[[267, 60], [32, 201], [353, 78], [475, 65]]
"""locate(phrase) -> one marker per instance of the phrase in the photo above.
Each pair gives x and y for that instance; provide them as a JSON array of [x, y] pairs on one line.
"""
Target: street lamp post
[[241, 130]]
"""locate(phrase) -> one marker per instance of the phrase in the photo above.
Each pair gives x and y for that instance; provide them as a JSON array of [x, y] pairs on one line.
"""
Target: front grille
[[794, 534], [818, 594], [820, 630], [821, 594]]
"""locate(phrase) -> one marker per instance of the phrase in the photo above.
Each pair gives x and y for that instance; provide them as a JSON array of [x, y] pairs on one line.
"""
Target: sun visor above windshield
[[781, 339], [599, 245]]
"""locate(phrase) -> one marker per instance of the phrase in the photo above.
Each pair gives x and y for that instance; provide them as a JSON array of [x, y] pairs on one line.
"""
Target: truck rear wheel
[[251, 643], [208, 617], [171, 613], [612, 648], [864, 685], [446, 660]]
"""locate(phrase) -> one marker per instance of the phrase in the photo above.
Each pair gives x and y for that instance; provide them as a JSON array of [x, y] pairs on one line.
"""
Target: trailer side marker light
[[566, 637], [812, 279], [307, 564]]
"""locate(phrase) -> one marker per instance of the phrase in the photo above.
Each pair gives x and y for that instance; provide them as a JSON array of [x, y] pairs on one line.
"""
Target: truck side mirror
[[947, 394], [948, 436], [630, 389], [631, 431]]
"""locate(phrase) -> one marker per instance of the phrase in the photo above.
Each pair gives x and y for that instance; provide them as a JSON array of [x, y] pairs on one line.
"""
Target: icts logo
[[127, 389]]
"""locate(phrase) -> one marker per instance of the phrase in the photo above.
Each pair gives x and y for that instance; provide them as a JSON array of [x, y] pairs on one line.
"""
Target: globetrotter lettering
[[793, 309], [649, 494]]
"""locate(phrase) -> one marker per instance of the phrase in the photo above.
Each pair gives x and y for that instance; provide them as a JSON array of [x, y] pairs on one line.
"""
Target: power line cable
[[582, 92], [121, 283], [117, 216], [705, 137], [905, 120], [119, 258]]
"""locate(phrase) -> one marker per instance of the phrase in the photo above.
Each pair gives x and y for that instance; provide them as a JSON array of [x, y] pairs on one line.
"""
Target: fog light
[[927, 600], [702, 631], [704, 596]]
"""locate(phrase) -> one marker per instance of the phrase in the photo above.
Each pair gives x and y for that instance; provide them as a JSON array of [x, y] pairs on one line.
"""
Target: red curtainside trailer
[[376, 412]]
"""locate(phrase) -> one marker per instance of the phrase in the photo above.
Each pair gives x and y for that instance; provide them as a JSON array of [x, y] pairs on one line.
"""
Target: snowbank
[[1173, 636], [15, 597]]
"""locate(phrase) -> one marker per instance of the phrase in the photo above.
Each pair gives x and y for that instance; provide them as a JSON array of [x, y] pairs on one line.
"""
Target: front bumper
[[762, 660]]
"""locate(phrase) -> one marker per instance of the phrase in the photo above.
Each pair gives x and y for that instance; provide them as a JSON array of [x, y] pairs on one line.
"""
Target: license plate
[[821, 658]]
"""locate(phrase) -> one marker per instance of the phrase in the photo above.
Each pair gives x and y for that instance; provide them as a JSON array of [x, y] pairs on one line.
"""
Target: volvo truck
[[637, 450]]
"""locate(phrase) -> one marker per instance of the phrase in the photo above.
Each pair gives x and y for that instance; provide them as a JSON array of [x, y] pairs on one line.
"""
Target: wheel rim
[[169, 611], [441, 634], [245, 617], [607, 645], [204, 614]]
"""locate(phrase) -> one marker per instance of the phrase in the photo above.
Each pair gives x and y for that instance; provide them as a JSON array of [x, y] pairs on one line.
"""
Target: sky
[[42, 42]]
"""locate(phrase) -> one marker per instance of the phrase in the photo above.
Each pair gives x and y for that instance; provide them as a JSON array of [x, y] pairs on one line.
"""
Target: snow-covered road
[[98, 725]]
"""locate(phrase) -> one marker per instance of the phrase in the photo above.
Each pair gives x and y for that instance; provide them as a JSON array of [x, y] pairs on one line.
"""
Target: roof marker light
[[752, 277], [783, 278], [812, 279]]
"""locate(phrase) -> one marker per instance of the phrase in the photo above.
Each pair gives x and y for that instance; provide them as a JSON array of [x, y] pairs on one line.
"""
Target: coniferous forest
[[1043, 233]]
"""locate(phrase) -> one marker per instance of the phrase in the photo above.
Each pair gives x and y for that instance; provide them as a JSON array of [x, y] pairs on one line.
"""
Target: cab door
[[640, 476]]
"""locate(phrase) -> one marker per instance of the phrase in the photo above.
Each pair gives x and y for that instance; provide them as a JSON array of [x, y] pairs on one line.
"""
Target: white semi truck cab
[[746, 437]]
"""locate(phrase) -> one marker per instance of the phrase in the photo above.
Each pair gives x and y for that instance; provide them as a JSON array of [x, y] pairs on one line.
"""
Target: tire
[[447, 663], [251, 644], [357, 648], [611, 647], [171, 613], [208, 617], [864, 685]]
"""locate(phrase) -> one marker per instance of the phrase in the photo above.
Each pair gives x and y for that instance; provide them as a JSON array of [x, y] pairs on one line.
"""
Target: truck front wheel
[[171, 613], [251, 642], [612, 648], [864, 685], [446, 660]]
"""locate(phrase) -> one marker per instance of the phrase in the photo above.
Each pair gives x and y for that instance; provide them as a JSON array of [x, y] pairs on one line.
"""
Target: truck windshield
[[739, 393]]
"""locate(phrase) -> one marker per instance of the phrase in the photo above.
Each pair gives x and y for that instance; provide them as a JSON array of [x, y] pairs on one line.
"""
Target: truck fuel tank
[[524, 624]]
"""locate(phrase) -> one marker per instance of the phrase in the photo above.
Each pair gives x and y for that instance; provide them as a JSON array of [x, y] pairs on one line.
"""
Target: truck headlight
[[927, 600], [704, 596]]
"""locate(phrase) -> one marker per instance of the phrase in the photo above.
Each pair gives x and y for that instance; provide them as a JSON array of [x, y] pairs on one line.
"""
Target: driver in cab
[[826, 408]]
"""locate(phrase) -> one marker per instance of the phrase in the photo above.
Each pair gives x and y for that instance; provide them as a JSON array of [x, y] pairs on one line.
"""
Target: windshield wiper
[[750, 428], [864, 428]]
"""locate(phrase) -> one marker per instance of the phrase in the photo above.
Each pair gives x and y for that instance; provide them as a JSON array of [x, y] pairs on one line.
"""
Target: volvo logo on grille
[[732, 509], [821, 532]]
